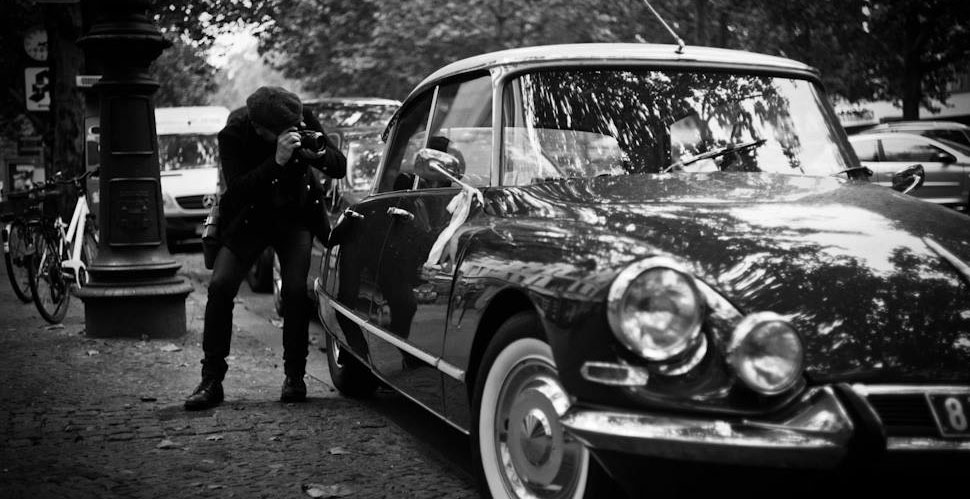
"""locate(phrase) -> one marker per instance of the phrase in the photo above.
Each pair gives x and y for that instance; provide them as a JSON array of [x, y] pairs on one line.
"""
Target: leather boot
[[294, 389], [207, 394]]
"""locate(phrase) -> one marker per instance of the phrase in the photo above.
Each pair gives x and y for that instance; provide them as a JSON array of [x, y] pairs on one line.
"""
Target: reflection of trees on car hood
[[848, 262]]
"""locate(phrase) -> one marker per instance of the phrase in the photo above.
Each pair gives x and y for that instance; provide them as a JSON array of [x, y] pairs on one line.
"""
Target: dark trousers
[[293, 249]]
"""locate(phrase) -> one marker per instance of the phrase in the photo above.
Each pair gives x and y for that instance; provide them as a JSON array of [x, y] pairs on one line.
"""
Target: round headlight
[[767, 353], [654, 309]]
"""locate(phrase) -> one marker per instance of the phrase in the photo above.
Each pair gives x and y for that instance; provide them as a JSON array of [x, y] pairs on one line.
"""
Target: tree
[[898, 50], [184, 75], [918, 47]]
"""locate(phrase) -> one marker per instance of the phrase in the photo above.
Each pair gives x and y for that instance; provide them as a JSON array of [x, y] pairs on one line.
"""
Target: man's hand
[[306, 154], [286, 143]]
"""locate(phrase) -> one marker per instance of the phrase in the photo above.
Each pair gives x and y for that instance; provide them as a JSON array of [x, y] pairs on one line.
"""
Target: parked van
[[188, 157]]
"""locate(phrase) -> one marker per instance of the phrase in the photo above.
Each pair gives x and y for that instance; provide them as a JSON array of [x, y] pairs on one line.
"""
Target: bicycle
[[63, 250], [20, 218]]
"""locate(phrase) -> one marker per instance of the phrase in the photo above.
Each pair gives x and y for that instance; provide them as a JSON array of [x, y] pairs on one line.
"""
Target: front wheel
[[522, 448], [51, 288], [18, 254], [349, 375]]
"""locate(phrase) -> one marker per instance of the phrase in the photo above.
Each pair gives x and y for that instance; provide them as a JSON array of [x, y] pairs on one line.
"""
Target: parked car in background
[[946, 163], [345, 112], [591, 257], [949, 130], [188, 157], [338, 115]]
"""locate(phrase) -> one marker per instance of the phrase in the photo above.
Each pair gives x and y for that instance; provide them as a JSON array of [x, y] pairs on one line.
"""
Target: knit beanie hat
[[275, 108]]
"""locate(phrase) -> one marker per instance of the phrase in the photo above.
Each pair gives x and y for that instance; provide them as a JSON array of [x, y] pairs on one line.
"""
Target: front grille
[[904, 414], [191, 202]]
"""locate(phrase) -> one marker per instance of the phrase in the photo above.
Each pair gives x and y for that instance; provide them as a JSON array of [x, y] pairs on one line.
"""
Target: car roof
[[922, 125], [890, 135], [190, 119], [943, 144], [640, 53], [375, 101]]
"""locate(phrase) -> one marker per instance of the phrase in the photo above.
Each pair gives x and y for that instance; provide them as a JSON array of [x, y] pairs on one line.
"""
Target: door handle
[[400, 214]]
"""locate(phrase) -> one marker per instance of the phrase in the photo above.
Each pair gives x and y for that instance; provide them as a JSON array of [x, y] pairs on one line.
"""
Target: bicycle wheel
[[89, 250], [52, 290], [18, 250]]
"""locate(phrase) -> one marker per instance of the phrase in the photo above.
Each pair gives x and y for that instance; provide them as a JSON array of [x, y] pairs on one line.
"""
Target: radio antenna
[[680, 41]]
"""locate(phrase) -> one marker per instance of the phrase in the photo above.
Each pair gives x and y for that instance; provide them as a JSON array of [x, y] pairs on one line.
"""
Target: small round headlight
[[654, 309], [767, 353]]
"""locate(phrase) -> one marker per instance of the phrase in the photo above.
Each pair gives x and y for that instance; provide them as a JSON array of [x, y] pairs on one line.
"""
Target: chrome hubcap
[[538, 458]]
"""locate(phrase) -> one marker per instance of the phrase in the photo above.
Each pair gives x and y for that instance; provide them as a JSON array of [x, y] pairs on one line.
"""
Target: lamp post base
[[153, 311]]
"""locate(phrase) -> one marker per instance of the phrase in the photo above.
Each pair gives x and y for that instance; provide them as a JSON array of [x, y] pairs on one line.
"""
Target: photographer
[[271, 199]]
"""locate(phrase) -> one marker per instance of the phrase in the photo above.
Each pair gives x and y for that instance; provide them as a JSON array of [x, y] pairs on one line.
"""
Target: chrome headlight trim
[[618, 292], [737, 359]]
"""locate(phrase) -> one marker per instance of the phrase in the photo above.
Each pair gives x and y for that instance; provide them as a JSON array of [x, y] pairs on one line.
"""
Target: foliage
[[185, 77], [384, 47]]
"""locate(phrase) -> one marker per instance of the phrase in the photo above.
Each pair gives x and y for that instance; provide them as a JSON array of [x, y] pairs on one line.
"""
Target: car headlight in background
[[168, 202], [654, 309], [766, 353]]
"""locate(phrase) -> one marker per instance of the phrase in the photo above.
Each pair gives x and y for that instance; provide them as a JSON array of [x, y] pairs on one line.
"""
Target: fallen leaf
[[276, 322], [171, 347], [213, 438], [166, 444], [336, 451], [92, 353], [325, 491]]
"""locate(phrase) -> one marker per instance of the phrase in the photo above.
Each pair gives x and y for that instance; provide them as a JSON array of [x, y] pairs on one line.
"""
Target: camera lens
[[311, 140]]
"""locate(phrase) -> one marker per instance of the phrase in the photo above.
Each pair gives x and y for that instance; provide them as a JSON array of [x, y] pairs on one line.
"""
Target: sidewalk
[[86, 417]]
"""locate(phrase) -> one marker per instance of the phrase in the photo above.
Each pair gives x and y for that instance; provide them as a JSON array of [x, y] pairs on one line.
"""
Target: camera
[[311, 140]]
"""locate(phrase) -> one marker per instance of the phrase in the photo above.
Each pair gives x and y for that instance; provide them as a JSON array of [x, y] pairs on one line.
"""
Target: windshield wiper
[[714, 153], [854, 169]]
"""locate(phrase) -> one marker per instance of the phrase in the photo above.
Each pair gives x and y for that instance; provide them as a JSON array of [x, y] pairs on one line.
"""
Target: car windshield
[[588, 122], [963, 148], [347, 114], [363, 157], [187, 152]]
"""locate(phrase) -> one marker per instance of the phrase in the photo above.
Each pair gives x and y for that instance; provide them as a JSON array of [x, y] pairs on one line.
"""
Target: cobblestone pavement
[[85, 417]]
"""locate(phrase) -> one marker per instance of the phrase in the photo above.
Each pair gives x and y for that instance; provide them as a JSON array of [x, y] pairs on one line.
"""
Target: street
[[87, 417]]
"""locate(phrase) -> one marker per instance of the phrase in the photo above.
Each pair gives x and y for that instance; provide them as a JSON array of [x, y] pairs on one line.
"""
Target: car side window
[[866, 150], [906, 149], [408, 138], [462, 126]]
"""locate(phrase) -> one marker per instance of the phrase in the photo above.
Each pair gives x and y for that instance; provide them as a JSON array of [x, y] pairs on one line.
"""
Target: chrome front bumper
[[819, 436]]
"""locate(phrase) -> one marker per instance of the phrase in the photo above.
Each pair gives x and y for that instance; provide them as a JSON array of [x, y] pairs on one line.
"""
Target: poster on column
[[37, 88]]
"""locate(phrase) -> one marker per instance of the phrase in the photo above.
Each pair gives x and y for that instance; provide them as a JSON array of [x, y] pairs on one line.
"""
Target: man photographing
[[271, 199]]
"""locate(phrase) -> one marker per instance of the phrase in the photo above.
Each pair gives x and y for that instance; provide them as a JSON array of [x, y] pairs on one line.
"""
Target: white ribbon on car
[[459, 207]]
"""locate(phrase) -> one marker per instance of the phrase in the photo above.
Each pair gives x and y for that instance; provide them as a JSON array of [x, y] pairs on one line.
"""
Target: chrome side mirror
[[909, 179], [436, 166]]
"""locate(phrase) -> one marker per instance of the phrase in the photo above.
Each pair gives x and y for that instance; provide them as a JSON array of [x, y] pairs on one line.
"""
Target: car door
[[351, 269], [416, 283], [945, 178]]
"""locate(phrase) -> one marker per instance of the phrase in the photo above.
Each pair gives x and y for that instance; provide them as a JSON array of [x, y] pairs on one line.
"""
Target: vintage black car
[[585, 255]]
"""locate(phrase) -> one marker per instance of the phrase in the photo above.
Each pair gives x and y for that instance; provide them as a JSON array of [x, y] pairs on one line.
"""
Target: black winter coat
[[261, 196]]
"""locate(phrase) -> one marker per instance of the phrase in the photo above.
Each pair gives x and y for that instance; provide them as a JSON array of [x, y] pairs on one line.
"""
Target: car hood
[[199, 181], [869, 277]]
